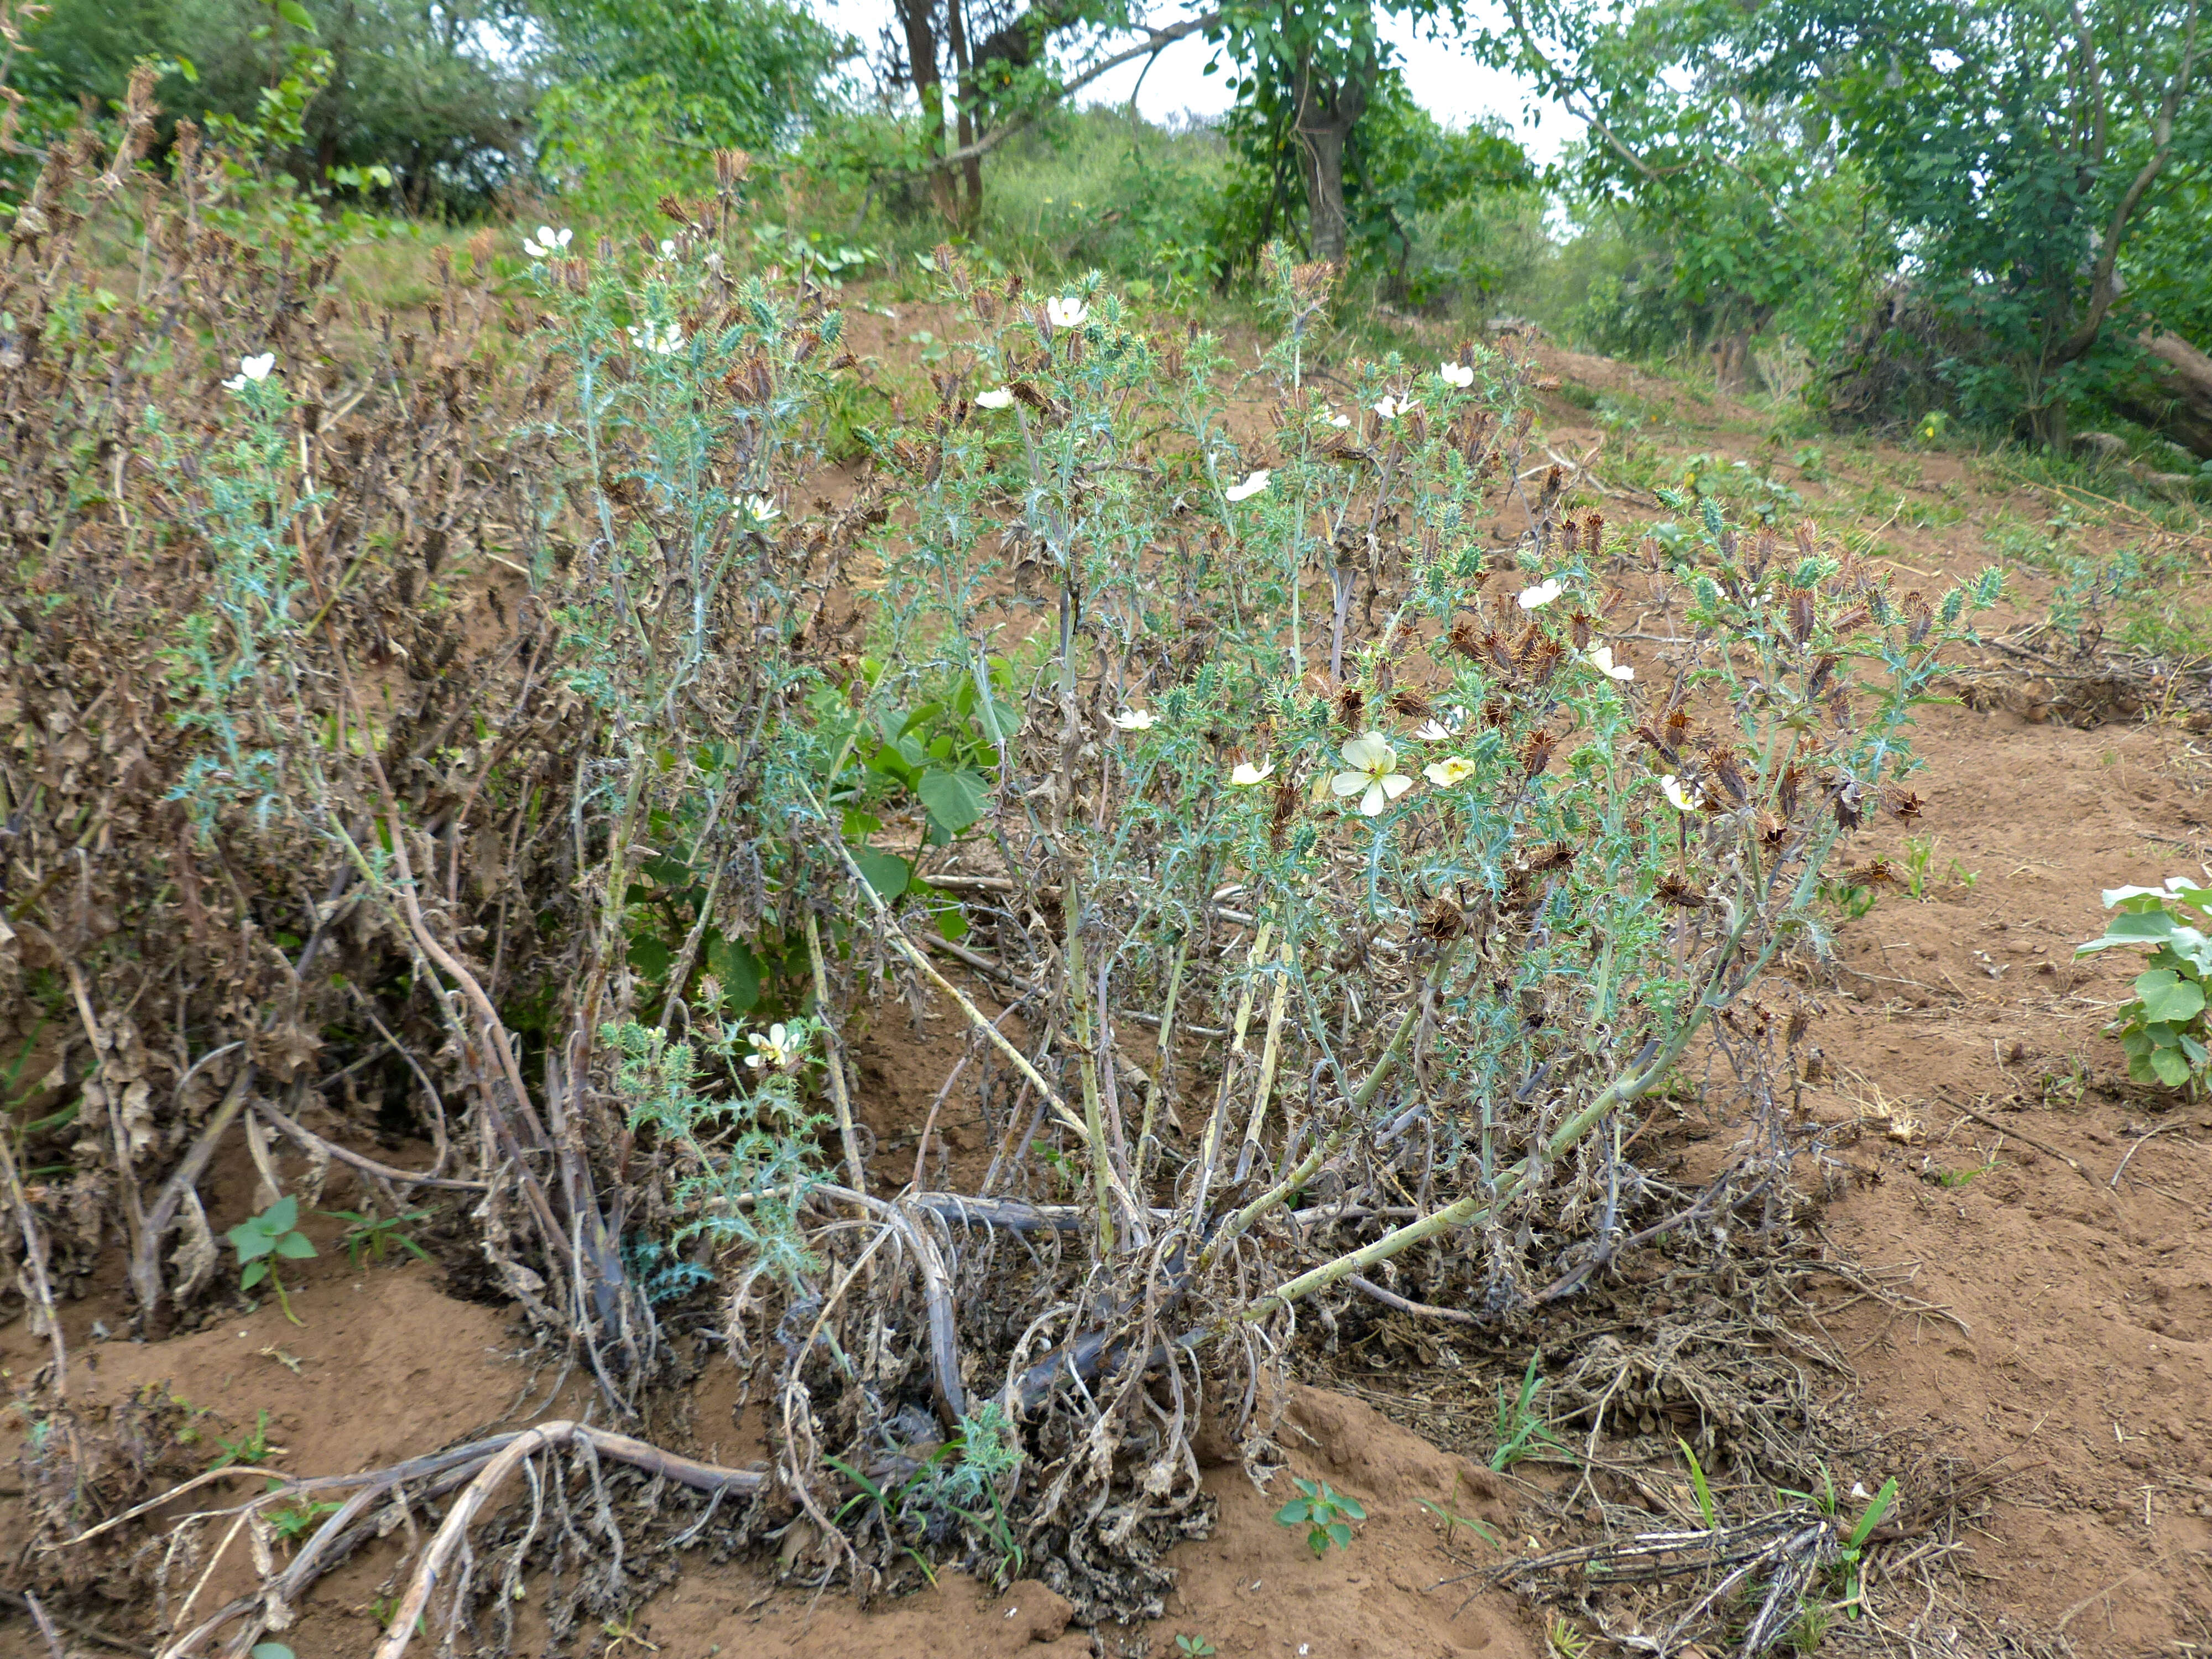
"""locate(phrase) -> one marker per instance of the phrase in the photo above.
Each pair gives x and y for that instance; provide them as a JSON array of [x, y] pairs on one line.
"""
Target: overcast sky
[[1447, 82]]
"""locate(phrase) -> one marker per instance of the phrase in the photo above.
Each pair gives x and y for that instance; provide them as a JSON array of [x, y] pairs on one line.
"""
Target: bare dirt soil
[[2035, 1226]]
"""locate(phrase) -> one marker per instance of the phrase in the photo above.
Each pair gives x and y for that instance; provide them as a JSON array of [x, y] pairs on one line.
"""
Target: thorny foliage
[[457, 708]]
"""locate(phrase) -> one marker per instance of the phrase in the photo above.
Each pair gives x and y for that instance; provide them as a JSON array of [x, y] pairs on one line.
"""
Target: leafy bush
[[2164, 1029]]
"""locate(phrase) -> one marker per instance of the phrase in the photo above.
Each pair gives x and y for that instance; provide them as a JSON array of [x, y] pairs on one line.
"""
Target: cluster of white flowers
[[251, 370], [545, 241]]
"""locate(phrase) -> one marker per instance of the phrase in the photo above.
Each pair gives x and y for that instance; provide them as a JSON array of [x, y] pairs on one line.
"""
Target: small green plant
[[261, 1241], [1522, 1431], [1920, 878], [1953, 1179], [250, 1448], [2163, 1029], [373, 1235], [1487, 1534], [1849, 899], [1195, 1647], [1326, 1514], [1851, 1552], [1708, 1511], [293, 1521], [1563, 1639]]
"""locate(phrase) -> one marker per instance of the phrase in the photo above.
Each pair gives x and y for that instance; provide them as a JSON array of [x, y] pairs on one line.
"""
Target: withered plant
[[475, 705]]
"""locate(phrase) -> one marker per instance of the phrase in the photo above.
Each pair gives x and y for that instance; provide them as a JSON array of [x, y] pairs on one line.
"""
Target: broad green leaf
[[954, 800], [651, 957], [2168, 999], [281, 1216], [887, 872], [739, 970], [296, 15], [2172, 1069], [294, 1247]]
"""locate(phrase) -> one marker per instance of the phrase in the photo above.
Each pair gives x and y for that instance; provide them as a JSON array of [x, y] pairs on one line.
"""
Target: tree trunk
[[918, 20], [1327, 111], [2176, 402]]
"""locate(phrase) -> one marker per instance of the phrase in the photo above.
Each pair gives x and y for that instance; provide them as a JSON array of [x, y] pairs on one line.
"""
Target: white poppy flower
[[667, 249], [1374, 781], [1133, 720], [1435, 729], [1458, 375], [1340, 420], [251, 369], [779, 1050], [761, 509], [545, 241], [660, 338], [1684, 800], [1251, 487], [1247, 775], [1000, 398], [1601, 660], [1535, 598], [1391, 407], [1450, 770], [1066, 310]]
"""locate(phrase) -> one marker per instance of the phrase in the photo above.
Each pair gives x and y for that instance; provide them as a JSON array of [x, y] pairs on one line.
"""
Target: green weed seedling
[[1522, 1431], [1487, 1534], [1708, 1512], [1326, 1513], [250, 1448], [1195, 1647], [2164, 1028], [1850, 1554], [373, 1235], [293, 1521], [1920, 878], [260, 1242]]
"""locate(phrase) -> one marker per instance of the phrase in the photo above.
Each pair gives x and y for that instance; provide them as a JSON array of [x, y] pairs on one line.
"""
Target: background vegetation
[[1879, 208]]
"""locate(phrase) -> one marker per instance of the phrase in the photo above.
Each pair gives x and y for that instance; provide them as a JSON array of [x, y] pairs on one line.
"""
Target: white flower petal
[[1533, 598], [1601, 660], [1369, 752], [1458, 375], [1251, 486], [1133, 720], [1374, 800], [1684, 800], [1348, 783], [1450, 770], [1246, 774], [1066, 310], [1395, 785], [999, 399]]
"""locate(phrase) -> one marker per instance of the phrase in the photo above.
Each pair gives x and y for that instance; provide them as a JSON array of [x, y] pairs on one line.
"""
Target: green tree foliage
[[1398, 175], [748, 74], [413, 85], [2030, 163]]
